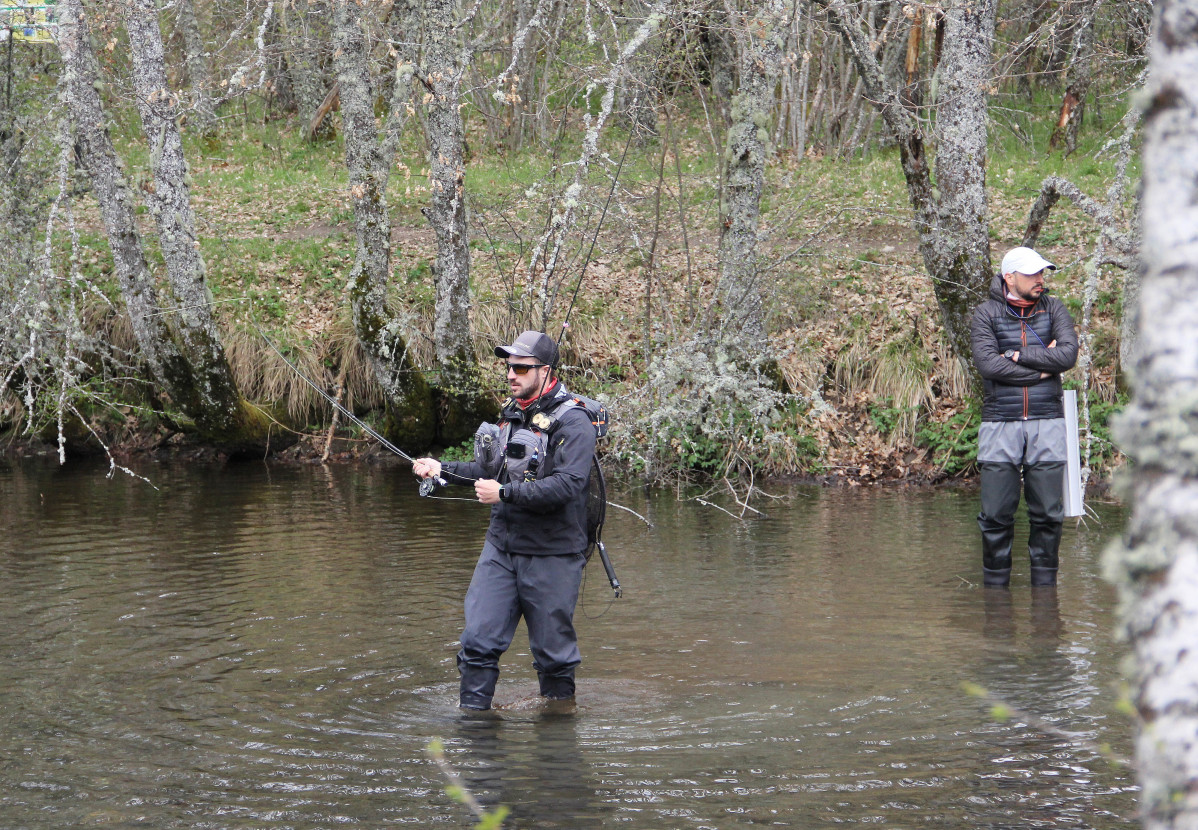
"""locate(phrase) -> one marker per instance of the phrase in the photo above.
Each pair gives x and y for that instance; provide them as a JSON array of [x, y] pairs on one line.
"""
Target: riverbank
[[315, 449], [877, 397]]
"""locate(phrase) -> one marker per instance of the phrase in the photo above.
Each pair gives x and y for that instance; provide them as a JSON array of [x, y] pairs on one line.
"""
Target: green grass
[[274, 219]]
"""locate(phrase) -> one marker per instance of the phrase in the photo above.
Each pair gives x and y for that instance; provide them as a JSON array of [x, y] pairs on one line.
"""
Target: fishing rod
[[603, 557], [594, 238], [426, 486]]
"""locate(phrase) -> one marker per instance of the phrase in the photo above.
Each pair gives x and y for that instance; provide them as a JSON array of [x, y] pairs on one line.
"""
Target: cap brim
[[509, 351]]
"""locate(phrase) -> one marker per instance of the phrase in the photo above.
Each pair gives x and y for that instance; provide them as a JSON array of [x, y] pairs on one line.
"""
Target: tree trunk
[[524, 85], [221, 415], [410, 421], [203, 117], [911, 91], [278, 78], [953, 223], [962, 251], [305, 27], [463, 401], [1156, 567], [639, 88], [1078, 73], [721, 61], [116, 203], [760, 62]]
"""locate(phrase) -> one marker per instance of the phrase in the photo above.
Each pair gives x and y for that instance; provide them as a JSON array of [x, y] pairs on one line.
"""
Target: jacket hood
[[998, 288]]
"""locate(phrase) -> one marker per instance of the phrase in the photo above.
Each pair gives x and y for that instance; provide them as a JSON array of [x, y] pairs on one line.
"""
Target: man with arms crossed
[[1023, 339]]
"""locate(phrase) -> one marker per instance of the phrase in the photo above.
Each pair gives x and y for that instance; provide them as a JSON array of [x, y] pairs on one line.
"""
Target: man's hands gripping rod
[[429, 470]]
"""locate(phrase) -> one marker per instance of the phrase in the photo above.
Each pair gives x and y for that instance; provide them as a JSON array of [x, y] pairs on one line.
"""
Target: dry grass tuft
[[262, 375], [897, 375], [361, 390], [12, 411]]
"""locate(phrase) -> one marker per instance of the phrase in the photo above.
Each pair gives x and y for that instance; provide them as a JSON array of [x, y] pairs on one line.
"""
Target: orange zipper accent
[[1023, 342]]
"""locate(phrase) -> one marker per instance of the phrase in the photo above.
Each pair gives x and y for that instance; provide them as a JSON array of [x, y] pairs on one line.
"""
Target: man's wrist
[[504, 493]]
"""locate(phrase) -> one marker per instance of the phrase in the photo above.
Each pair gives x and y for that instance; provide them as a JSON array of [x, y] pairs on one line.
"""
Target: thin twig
[[630, 510]]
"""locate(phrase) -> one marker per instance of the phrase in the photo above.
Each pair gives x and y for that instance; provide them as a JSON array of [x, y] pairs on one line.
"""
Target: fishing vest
[[519, 446]]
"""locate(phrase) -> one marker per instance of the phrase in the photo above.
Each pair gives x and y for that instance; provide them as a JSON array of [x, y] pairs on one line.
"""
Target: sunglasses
[[523, 368]]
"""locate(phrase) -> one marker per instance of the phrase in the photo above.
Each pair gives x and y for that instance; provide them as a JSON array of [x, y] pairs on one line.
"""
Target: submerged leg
[[548, 593], [1000, 497], [1045, 486], [492, 613]]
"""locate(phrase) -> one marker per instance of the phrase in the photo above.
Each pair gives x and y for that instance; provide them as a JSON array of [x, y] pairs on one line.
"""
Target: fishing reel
[[429, 486]]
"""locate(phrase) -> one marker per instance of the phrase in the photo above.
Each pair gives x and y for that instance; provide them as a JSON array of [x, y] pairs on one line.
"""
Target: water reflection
[[534, 766], [273, 647]]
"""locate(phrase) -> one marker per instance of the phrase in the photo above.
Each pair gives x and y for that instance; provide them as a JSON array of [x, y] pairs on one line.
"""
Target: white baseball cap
[[1024, 261]]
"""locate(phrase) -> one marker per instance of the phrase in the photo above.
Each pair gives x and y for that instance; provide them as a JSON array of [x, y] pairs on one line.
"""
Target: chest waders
[[519, 448]]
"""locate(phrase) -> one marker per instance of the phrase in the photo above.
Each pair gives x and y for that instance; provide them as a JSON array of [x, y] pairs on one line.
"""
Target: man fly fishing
[[533, 470]]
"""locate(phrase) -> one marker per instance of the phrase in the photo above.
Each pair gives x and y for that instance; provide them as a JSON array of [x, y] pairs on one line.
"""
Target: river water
[[273, 647]]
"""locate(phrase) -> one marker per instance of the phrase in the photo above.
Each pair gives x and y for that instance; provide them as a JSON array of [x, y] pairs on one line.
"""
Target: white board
[[1073, 463]]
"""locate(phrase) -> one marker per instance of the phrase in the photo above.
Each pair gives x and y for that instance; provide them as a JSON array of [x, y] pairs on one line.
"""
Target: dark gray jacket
[[1015, 391], [548, 515]]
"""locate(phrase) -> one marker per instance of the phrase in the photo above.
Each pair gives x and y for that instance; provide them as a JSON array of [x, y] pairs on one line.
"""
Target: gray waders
[[541, 589], [1043, 485], [1031, 454]]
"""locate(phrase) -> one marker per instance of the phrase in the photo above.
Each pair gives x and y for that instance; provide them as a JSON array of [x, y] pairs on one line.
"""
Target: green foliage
[[462, 452], [953, 442], [1103, 448], [887, 418], [267, 302]]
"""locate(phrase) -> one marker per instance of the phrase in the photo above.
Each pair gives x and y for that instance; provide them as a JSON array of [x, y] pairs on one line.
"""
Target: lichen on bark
[[761, 38], [462, 401], [1155, 566], [410, 418], [952, 217]]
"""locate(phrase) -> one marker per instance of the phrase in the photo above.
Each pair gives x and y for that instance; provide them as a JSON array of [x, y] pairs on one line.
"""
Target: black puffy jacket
[[548, 515], [1015, 391]]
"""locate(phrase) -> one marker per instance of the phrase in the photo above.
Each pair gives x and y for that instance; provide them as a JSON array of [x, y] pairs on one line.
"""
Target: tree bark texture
[[721, 60], [411, 421], [305, 27], [1156, 567], [219, 411], [963, 272], [951, 217], [203, 117], [447, 174], [81, 79], [463, 401], [760, 59]]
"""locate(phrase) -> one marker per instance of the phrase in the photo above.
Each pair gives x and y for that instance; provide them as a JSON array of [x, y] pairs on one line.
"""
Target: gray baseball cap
[[531, 344]]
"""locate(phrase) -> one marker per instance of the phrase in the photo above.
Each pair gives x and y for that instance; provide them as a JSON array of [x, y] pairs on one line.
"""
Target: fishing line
[[595, 238], [426, 485], [162, 312]]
